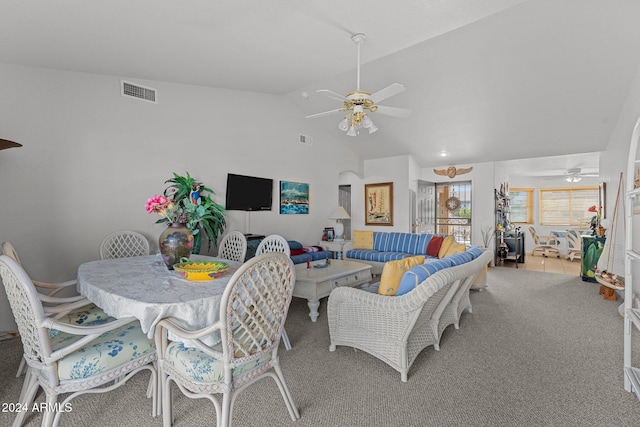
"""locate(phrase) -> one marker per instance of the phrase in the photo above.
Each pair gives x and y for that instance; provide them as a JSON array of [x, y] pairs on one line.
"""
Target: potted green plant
[[196, 208]]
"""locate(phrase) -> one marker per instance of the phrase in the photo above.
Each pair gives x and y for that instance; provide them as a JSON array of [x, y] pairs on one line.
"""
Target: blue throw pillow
[[294, 245]]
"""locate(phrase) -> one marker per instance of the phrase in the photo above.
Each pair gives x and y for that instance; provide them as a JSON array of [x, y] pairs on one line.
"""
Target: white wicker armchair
[[395, 329], [233, 246], [73, 310], [76, 359], [253, 310]]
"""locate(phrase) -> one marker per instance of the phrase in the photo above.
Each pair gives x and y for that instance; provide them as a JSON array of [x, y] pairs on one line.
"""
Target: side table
[[592, 247], [335, 246]]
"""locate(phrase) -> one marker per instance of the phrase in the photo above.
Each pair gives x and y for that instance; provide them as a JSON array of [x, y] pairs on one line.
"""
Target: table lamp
[[339, 214]]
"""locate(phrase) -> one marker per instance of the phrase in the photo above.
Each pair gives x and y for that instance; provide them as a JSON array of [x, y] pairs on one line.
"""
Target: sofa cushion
[[376, 256], [362, 239], [410, 243], [419, 273], [433, 248], [294, 245], [459, 258], [455, 248], [302, 258], [446, 244], [393, 272], [474, 251]]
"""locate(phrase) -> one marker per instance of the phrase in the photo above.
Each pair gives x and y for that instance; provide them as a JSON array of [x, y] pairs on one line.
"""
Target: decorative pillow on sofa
[[393, 271], [456, 248], [297, 251], [433, 248], [362, 239], [419, 273], [446, 244], [294, 245]]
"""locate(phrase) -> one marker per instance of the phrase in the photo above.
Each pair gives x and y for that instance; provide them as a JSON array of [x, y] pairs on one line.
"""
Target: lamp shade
[[339, 213]]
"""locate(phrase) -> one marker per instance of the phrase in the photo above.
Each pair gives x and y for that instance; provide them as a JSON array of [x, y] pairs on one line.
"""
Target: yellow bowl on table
[[200, 271]]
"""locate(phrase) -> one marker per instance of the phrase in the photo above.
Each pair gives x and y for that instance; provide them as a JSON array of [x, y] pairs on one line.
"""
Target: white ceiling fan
[[360, 103], [574, 175]]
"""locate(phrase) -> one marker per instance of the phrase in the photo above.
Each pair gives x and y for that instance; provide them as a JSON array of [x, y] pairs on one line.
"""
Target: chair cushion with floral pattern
[[89, 315], [111, 349], [200, 367]]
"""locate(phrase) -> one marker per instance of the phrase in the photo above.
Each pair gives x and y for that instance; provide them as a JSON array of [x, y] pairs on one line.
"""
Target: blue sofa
[[310, 253], [391, 246]]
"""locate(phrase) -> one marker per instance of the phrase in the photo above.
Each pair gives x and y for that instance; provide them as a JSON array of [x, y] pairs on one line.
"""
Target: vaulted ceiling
[[489, 80]]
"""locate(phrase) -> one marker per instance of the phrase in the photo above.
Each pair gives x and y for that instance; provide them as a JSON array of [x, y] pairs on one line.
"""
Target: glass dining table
[[143, 287]]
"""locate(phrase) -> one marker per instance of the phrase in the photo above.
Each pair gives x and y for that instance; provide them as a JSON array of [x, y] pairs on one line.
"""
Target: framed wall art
[[294, 198], [378, 202]]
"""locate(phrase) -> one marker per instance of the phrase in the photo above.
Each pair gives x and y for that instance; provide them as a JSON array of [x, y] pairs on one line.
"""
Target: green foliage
[[464, 213], [203, 215]]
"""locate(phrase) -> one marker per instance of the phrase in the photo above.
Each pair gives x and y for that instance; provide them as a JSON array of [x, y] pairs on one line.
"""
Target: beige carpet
[[538, 349]]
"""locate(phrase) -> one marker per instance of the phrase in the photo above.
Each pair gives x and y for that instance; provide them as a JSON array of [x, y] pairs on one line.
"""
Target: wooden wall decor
[[452, 171]]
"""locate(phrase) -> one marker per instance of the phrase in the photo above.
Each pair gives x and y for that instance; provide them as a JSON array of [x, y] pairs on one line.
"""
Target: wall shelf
[[632, 255]]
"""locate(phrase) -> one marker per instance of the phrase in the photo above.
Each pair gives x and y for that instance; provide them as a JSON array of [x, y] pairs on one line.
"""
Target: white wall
[[612, 163], [91, 158]]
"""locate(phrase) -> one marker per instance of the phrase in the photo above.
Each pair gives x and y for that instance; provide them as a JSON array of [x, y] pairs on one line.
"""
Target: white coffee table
[[315, 283]]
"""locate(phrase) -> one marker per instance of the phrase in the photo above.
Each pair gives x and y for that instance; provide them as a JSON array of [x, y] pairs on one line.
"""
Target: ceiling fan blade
[[387, 92], [5, 143], [393, 111], [326, 113], [331, 94]]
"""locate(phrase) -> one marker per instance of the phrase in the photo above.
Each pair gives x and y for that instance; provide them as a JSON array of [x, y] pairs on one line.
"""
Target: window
[[567, 206], [521, 200]]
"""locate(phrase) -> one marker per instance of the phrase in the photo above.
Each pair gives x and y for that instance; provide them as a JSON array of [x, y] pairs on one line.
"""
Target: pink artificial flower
[[592, 209], [159, 204]]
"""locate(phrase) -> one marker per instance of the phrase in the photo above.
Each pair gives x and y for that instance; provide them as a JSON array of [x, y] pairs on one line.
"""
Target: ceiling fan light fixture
[[573, 178], [360, 102]]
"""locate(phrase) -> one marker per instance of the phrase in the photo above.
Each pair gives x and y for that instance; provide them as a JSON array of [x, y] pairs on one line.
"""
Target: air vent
[[306, 140], [139, 92]]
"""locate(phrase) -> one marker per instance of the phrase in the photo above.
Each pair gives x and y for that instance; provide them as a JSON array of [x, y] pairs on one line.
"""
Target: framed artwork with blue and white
[[294, 197]]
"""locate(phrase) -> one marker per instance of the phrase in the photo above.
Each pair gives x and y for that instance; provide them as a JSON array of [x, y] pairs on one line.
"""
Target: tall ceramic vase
[[175, 242]]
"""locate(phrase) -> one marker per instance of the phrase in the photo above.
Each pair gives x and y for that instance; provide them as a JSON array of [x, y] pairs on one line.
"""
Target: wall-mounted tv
[[248, 193]]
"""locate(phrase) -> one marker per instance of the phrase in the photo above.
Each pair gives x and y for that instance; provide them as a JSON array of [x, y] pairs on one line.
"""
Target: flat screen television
[[248, 193]]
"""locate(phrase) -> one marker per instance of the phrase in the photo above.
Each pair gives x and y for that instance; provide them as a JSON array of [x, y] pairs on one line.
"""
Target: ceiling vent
[[305, 140], [139, 92]]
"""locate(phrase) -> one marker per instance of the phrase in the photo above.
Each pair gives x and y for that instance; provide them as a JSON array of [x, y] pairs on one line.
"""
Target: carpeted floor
[[539, 349]]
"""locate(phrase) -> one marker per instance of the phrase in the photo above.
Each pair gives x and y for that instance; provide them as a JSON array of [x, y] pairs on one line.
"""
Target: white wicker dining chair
[[253, 310], [273, 243], [77, 359], [574, 245], [233, 246], [123, 244], [73, 310], [276, 243]]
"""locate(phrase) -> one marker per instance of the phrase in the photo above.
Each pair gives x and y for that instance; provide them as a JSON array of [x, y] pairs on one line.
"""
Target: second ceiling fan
[[360, 103]]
